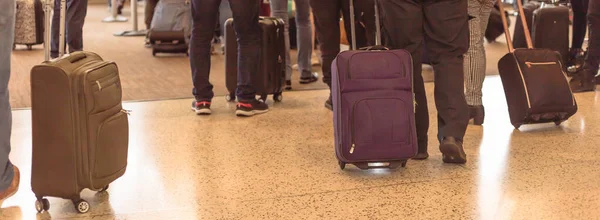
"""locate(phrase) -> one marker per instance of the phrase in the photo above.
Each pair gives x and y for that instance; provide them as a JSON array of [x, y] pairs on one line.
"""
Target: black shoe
[[250, 108], [452, 151], [583, 83], [477, 113], [288, 85], [309, 79], [201, 107], [422, 152], [329, 104]]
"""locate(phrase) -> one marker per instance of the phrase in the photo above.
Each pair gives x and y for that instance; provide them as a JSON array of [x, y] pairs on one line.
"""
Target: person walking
[[204, 19], [279, 9], [9, 173], [475, 59], [444, 25], [75, 18], [585, 80]]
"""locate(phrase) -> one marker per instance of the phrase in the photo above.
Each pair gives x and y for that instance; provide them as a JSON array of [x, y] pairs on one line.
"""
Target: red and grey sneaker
[[201, 107], [250, 108]]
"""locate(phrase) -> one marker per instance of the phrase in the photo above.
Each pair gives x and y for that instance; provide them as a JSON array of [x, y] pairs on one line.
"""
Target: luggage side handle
[[507, 30]]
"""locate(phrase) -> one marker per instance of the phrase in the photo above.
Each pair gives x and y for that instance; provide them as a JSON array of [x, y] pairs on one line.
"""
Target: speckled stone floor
[[282, 166]]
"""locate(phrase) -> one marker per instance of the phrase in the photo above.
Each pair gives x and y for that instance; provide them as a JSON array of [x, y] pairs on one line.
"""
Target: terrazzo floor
[[282, 165]]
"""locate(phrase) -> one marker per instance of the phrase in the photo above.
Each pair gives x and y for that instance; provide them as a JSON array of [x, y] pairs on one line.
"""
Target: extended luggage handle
[[511, 48], [378, 45], [48, 11]]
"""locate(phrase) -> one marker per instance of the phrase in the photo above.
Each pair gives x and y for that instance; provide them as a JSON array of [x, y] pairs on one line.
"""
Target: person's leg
[[149, 12], [402, 23], [55, 29], [305, 40], [7, 27], [585, 81], [279, 9], [204, 18], [327, 28], [248, 31], [76, 13], [447, 35], [579, 22], [475, 59], [367, 19], [224, 14]]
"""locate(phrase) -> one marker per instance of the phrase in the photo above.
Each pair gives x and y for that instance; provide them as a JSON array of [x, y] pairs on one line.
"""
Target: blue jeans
[[7, 28], [279, 8], [205, 15], [75, 17]]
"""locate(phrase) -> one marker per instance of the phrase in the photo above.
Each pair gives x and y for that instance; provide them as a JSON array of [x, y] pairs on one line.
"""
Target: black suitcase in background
[[270, 77], [519, 36], [550, 30]]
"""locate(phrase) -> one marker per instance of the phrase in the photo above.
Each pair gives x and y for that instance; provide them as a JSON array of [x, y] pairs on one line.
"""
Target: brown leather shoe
[[477, 113], [452, 151], [13, 188]]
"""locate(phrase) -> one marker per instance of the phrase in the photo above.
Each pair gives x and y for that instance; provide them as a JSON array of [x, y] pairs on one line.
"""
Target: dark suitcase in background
[[270, 77], [535, 85], [519, 37], [495, 28], [550, 29], [29, 23], [80, 132], [373, 106], [171, 27]]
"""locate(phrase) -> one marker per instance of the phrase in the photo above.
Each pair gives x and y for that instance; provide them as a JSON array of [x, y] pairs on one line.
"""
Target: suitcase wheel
[[278, 97], [29, 47], [342, 165], [404, 163], [557, 123], [104, 189], [42, 205], [153, 53], [230, 97], [82, 206]]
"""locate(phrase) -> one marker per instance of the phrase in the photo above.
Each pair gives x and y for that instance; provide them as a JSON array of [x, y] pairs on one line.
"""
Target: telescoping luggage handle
[[507, 31], [378, 45], [48, 10]]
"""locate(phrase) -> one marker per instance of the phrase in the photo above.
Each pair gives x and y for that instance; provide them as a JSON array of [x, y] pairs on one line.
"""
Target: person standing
[[585, 81], [75, 18], [204, 20], [580, 8], [9, 174], [444, 25], [279, 9], [475, 59], [327, 27]]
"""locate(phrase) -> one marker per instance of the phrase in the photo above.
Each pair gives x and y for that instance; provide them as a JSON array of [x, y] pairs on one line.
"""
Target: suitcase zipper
[[529, 64]]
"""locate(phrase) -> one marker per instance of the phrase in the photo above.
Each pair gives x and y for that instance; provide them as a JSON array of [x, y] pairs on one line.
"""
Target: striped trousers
[[475, 60]]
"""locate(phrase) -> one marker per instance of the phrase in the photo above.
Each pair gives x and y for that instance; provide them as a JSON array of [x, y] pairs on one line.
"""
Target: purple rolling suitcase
[[373, 104]]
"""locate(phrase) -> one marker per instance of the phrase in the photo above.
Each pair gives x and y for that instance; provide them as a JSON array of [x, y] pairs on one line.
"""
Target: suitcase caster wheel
[[278, 97], [230, 97], [153, 53], [82, 206], [42, 205], [557, 123], [14, 46], [104, 189], [29, 47], [342, 165], [403, 163]]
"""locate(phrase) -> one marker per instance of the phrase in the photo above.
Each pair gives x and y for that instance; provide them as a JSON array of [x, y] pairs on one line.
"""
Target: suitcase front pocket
[[379, 127], [111, 146]]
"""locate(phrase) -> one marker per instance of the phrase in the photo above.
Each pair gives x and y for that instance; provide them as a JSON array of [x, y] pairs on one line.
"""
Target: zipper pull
[[415, 103], [99, 85], [128, 112], [352, 149], [528, 64]]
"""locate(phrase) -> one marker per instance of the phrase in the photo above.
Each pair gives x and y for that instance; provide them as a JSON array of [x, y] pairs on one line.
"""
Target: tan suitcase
[[80, 131]]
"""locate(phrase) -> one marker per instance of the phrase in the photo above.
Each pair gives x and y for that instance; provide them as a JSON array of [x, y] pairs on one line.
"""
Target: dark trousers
[[580, 8], [327, 27], [205, 15], [149, 12], [444, 25], [592, 59], [75, 18]]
